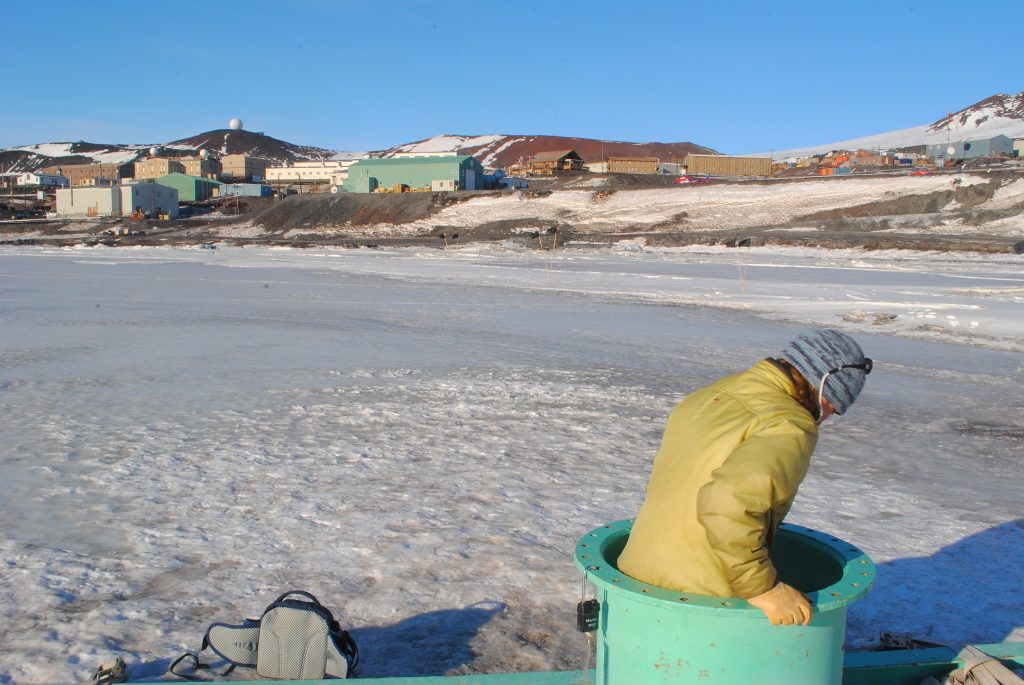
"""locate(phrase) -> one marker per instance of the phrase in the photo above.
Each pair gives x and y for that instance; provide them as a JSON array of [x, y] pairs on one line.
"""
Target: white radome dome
[[235, 124], [154, 151], [204, 154]]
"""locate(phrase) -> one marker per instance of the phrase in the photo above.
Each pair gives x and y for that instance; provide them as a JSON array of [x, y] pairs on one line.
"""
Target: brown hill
[[227, 141], [500, 151], [999, 105]]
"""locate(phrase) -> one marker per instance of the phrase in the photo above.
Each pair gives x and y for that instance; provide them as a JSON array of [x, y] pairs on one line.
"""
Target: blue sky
[[734, 76]]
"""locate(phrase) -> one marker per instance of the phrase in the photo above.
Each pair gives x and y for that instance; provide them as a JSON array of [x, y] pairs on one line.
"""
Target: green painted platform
[[890, 667], [911, 666]]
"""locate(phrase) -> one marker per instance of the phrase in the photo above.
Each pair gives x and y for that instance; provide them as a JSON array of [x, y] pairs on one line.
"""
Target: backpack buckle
[[111, 672]]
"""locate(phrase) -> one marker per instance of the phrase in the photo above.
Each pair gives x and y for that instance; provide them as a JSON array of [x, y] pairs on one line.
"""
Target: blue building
[[245, 190], [969, 149]]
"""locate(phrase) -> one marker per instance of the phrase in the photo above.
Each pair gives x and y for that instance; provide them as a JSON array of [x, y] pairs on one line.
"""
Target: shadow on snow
[[967, 592]]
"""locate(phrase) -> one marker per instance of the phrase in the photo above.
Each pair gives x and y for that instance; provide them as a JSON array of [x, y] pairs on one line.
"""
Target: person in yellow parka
[[732, 458]]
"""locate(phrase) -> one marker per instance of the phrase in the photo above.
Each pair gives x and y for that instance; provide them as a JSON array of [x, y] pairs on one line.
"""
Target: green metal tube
[[649, 635]]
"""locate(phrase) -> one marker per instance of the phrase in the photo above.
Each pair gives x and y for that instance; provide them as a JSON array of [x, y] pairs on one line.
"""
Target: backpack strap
[[295, 592], [342, 654], [196, 665], [235, 644]]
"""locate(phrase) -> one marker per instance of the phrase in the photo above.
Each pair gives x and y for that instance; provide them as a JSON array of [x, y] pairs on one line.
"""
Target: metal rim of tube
[[857, 577]]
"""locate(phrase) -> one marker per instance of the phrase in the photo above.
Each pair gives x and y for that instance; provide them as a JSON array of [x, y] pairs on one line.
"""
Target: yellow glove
[[784, 606]]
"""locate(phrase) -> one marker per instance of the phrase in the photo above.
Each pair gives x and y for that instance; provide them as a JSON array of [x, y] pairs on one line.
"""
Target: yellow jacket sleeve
[[747, 497]]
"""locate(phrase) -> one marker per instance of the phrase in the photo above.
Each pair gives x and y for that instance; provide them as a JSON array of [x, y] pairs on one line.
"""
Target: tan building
[[634, 165], [92, 174], [118, 200], [724, 165], [155, 167], [311, 172], [204, 168], [874, 160], [243, 168], [553, 161]]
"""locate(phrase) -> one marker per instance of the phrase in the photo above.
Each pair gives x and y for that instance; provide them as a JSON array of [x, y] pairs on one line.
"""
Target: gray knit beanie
[[821, 350]]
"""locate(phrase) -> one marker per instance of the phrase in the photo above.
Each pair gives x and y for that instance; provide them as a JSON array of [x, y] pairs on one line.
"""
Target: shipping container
[[634, 165], [724, 165], [245, 190]]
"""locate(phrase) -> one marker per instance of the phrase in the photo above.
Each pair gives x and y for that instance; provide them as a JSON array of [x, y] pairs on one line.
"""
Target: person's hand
[[784, 606]]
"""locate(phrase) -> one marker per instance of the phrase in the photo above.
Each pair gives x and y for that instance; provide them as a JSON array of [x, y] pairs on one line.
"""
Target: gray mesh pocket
[[293, 645], [235, 643]]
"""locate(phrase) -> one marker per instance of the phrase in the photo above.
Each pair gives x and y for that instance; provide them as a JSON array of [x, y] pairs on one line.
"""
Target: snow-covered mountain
[[35, 157], [217, 142], [494, 150], [999, 114]]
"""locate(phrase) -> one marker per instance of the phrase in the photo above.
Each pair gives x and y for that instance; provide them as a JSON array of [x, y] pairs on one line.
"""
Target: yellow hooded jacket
[[730, 462]]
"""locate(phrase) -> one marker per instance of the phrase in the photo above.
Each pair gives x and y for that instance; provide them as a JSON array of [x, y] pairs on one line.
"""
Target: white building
[[513, 182], [1018, 146], [310, 172], [39, 180], [338, 177], [152, 198]]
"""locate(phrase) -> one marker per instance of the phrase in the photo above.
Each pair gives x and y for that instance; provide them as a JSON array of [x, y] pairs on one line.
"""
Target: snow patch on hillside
[[450, 143], [344, 156], [491, 158], [108, 156]]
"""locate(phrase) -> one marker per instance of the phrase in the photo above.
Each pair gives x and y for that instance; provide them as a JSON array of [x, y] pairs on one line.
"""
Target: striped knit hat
[[821, 350]]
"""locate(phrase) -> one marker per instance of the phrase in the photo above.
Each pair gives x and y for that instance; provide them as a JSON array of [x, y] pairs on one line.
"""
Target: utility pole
[[949, 125]]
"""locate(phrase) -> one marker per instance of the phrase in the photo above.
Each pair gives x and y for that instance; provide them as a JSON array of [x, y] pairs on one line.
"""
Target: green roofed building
[[454, 172], [190, 188]]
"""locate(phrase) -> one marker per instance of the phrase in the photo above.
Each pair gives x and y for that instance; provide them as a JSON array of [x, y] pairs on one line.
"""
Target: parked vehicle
[[691, 179], [921, 172]]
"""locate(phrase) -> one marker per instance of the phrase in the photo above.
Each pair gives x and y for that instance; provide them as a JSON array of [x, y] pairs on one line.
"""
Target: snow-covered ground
[[418, 437], [710, 207]]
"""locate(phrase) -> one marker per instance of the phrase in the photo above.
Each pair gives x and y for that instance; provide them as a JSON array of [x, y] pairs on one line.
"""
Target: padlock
[[587, 615]]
